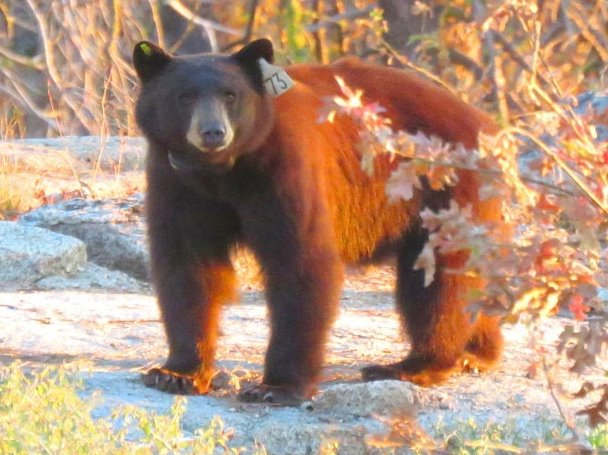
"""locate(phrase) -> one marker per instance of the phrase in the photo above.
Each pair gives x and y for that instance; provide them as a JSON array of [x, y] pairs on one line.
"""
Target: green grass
[[41, 412]]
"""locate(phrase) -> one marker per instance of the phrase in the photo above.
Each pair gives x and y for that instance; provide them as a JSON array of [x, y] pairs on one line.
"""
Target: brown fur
[[295, 194]]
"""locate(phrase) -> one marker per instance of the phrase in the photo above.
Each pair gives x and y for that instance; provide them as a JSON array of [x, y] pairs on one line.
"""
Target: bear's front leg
[[190, 299], [303, 275], [190, 239]]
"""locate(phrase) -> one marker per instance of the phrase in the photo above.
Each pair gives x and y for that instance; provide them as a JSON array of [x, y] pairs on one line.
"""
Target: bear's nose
[[213, 135]]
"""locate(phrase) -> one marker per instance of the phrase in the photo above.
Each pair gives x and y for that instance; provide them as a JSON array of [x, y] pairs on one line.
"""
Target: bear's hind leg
[[484, 348], [433, 317]]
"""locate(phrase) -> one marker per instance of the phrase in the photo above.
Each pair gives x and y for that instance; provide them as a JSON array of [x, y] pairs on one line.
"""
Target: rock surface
[[382, 398], [28, 254], [112, 229], [93, 278], [34, 258], [42, 171], [82, 154]]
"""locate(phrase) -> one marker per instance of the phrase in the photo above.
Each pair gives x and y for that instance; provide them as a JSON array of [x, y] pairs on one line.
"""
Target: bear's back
[[329, 153], [413, 104]]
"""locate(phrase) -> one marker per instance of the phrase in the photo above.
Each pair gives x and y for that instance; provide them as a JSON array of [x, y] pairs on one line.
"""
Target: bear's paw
[[177, 383], [273, 395]]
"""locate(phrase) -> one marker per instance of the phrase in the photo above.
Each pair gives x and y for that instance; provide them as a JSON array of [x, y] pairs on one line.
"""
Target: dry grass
[[51, 170]]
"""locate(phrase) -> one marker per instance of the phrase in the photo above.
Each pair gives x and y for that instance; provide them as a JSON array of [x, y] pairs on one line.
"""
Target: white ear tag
[[276, 80]]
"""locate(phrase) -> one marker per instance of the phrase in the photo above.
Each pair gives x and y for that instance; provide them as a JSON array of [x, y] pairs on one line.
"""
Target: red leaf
[[547, 202], [578, 308], [546, 252]]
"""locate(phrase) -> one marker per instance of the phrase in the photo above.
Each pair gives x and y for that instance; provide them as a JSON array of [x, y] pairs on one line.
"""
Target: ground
[[120, 335]]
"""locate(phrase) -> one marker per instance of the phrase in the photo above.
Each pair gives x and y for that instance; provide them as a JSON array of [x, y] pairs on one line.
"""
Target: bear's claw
[[268, 394], [172, 382]]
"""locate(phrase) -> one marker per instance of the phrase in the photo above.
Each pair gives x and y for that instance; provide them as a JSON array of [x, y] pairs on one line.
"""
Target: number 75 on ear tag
[[276, 80]]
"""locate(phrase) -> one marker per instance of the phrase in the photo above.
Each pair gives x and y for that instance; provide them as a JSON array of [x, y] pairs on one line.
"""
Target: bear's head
[[203, 110]]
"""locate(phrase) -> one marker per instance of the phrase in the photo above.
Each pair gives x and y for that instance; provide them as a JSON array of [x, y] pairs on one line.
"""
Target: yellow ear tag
[[146, 49], [276, 80]]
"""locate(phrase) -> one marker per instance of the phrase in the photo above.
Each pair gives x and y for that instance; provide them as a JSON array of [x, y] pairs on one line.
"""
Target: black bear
[[230, 164]]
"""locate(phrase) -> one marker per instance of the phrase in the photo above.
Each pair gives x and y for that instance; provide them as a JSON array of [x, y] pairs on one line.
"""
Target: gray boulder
[[28, 253], [349, 413], [369, 398], [94, 278], [112, 229]]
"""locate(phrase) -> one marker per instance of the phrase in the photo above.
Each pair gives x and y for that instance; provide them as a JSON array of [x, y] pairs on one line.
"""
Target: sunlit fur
[[294, 193]]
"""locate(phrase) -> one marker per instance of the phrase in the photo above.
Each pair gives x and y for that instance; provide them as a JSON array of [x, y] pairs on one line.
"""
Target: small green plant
[[163, 433], [42, 412], [293, 18], [598, 438], [470, 437]]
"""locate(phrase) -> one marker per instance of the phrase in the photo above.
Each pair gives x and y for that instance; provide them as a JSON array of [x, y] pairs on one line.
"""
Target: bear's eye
[[229, 96]]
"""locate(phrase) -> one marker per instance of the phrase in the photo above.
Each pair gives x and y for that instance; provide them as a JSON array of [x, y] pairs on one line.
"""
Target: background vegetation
[[65, 65], [42, 412]]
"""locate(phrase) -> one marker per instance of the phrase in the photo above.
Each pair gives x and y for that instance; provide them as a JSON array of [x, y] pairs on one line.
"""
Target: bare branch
[[30, 62], [460, 59], [562, 164], [160, 30], [409, 64], [596, 39], [346, 16], [186, 13], [22, 98], [516, 56], [52, 67]]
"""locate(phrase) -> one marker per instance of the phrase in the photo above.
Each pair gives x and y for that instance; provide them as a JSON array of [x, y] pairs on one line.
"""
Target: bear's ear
[[249, 54], [149, 60], [248, 58]]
